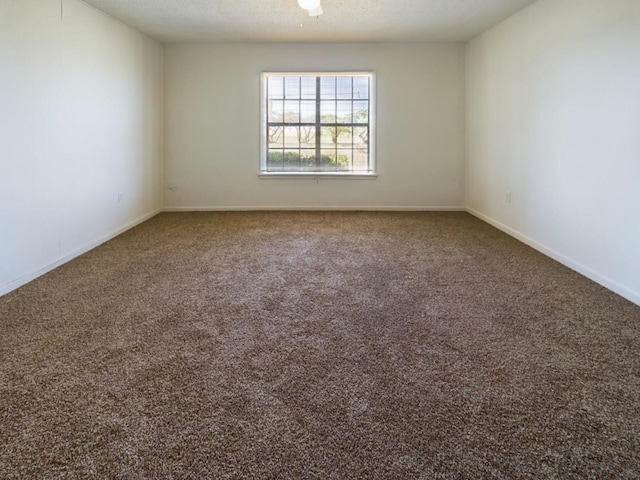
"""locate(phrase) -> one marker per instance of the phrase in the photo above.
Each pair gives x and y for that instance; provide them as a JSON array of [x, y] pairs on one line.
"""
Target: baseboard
[[563, 259], [316, 208], [26, 278], [567, 261]]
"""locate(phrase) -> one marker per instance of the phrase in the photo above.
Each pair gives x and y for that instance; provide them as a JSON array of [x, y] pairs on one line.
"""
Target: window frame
[[264, 149]]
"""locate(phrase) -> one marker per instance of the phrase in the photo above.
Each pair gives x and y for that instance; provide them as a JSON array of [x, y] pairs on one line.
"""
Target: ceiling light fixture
[[312, 6]]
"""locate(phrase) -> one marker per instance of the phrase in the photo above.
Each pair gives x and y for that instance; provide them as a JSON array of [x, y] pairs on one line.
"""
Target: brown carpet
[[302, 345]]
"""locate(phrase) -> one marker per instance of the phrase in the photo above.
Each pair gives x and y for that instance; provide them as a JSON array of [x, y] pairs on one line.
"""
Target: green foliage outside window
[[295, 161]]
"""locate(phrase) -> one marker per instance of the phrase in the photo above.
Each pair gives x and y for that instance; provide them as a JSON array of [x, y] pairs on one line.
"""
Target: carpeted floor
[[300, 345]]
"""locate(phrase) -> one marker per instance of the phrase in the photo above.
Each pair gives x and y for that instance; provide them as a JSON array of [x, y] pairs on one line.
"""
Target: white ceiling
[[195, 21]]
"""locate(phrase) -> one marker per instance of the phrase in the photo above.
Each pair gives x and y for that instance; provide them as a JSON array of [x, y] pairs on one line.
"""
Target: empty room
[[320, 239]]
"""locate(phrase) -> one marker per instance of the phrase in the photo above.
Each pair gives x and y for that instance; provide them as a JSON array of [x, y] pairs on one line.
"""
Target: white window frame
[[370, 174]]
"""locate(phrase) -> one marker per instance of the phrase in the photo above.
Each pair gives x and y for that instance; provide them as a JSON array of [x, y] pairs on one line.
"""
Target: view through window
[[317, 123]]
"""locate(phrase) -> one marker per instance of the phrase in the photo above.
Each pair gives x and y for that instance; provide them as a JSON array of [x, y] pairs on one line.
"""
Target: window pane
[[327, 88], [308, 87], [308, 158], [360, 112], [345, 139], [328, 137], [308, 111], [276, 137], [291, 137], [275, 110], [328, 161], [360, 87], [343, 111], [308, 137], [291, 111], [344, 160], [328, 111], [292, 160], [292, 87], [344, 88], [275, 160], [275, 86], [360, 137], [360, 160]]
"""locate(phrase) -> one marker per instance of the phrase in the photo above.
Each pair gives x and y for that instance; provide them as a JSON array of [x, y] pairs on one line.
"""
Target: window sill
[[316, 176]]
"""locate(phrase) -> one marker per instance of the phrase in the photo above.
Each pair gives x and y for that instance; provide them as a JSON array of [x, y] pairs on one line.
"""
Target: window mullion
[[318, 125]]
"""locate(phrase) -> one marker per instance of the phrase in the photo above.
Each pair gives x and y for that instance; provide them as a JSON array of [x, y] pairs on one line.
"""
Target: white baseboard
[[26, 278], [563, 259], [567, 261], [315, 208]]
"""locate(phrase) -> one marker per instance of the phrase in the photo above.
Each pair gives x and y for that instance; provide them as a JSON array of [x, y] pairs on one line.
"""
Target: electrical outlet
[[507, 197], [120, 197]]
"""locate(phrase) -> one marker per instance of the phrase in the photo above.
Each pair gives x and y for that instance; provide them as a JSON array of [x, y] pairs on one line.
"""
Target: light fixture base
[[313, 7], [309, 4]]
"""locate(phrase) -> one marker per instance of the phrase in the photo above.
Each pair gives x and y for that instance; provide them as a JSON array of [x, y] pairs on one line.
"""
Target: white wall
[[80, 121], [212, 126], [553, 115]]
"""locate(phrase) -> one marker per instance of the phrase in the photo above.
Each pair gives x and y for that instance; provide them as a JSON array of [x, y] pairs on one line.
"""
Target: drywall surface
[[553, 109], [212, 126], [80, 126]]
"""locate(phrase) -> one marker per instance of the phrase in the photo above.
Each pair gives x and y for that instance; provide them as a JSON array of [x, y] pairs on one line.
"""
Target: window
[[317, 124]]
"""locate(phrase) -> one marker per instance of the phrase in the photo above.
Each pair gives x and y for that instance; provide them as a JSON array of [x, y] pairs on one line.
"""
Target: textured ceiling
[[173, 21]]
